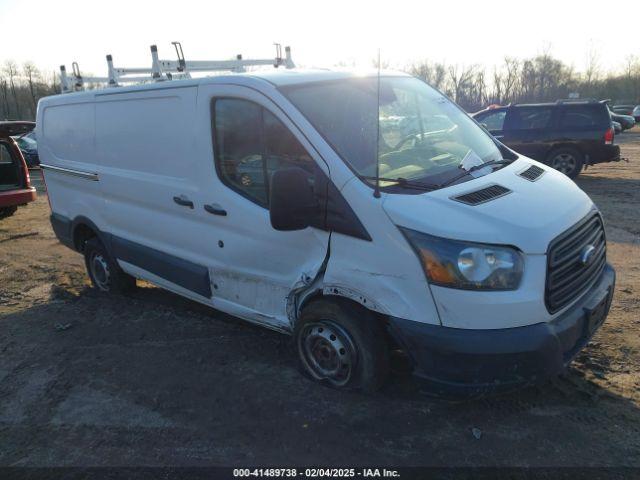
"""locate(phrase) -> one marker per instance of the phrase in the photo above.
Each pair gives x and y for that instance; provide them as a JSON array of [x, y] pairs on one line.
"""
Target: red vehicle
[[15, 184]]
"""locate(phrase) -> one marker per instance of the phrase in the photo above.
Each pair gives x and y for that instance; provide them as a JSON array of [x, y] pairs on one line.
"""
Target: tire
[[342, 346], [7, 212], [566, 160], [104, 272]]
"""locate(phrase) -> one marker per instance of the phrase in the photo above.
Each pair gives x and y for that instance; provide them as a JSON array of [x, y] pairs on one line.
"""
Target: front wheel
[[567, 161], [342, 346]]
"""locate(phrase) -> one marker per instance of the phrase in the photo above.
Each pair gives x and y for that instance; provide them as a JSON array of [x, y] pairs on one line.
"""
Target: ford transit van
[[362, 214]]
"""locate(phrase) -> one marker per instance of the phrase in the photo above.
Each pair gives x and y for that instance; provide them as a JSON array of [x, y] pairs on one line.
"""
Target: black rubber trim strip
[[61, 226], [176, 270]]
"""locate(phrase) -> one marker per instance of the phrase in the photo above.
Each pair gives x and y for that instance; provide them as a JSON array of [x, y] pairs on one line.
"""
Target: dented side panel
[[384, 274]]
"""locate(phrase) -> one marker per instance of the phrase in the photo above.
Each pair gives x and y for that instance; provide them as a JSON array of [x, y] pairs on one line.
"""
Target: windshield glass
[[422, 134]]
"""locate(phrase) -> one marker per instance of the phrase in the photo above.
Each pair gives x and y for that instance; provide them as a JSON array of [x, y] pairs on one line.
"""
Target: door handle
[[216, 209], [183, 201]]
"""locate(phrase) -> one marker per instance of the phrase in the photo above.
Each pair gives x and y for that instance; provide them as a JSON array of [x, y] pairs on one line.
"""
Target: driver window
[[250, 145], [281, 148]]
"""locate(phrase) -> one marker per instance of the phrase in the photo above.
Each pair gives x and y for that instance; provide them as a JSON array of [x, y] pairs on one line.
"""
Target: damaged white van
[[362, 214]]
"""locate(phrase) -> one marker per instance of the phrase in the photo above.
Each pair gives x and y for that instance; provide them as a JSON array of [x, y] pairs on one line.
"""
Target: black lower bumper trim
[[475, 361], [61, 226]]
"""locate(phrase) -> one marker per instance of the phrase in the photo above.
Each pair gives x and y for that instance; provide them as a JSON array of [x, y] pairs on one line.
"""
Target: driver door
[[243, 139]]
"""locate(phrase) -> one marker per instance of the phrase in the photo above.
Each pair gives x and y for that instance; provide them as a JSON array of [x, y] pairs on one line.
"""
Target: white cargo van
[[361, 214]]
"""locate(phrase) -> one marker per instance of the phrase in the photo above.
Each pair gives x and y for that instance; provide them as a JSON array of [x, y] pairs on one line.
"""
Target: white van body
[[135, 166]]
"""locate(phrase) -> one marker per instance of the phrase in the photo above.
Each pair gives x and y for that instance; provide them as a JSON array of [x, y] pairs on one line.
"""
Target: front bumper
[[12, 198], [479, 361]]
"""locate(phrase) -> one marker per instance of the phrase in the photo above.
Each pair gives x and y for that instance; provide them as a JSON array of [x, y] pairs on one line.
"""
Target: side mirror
[[292, 202]]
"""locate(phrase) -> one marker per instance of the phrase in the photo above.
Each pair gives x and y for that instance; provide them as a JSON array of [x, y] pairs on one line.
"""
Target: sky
[[321, 33]]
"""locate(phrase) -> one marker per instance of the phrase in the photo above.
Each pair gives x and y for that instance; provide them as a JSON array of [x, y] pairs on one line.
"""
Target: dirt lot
[[153, 379]]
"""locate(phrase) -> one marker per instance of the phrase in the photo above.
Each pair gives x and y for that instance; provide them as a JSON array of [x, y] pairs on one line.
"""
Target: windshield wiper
[[403, 182], [427, 187], [473, 169]]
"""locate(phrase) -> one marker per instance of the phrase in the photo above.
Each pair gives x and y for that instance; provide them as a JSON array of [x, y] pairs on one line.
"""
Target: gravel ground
[[154, 379]]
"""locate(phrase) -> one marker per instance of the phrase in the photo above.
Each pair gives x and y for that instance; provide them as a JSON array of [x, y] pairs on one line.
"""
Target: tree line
[[532, 80], [21, 87], [541, 78]]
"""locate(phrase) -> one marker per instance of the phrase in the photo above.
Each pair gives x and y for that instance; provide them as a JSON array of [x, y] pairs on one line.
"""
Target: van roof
[[275, 77], [282, 77]]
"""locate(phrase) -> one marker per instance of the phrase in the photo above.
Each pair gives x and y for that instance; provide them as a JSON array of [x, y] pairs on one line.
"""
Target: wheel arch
[[564, 146], [83, 229], [345, 300]]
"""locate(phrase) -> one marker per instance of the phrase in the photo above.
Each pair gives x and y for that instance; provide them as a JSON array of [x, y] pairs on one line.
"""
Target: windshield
[[422, 134]]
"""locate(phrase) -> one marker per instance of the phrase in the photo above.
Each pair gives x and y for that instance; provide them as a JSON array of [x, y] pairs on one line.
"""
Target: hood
[[529, 217]]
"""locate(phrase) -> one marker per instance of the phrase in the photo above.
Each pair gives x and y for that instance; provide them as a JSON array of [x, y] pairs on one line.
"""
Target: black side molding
[[182, 272]]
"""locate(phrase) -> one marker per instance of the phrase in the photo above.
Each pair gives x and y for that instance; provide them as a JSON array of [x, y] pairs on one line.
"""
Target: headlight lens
[[467, 265]]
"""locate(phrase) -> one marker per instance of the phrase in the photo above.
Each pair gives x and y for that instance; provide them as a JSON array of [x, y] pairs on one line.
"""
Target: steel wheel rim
[[100, 271], [564, 162], [327, 352]]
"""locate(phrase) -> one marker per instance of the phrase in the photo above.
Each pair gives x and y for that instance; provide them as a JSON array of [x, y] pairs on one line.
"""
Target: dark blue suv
[[567, 135]]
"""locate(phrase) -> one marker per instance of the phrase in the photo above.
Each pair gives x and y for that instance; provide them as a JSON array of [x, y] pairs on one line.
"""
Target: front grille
[[483, 195], [532, 173], [568, 276]]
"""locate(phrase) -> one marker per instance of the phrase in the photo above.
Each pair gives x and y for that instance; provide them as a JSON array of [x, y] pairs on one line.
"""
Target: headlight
[[467, 265]]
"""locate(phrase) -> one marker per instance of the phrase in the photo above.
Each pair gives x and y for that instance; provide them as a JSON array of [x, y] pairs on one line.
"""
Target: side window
[[281, 148], [238, 145], [580, 117], [5, 154], [250, 145], [530, 118], [494, 121]]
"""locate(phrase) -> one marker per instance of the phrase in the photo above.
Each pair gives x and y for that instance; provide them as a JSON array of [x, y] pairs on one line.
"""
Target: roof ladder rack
[[162, 70]]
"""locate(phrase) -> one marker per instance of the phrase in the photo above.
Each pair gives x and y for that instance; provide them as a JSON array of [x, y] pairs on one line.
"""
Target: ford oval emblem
[[587, 255]]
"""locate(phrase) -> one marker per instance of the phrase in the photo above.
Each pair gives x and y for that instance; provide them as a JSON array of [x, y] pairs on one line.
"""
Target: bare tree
[[32, 74], [631, 66], [512, 71], [505, 81], [11, 70], [592, 67], [435, 74], [461, 80], [4, 89], [54, 86]]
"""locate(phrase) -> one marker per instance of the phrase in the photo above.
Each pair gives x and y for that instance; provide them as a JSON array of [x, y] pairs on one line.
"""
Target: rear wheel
[[342, 346], [104, 272], [7, 212], [567, 161]]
